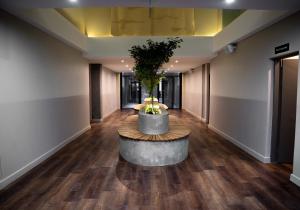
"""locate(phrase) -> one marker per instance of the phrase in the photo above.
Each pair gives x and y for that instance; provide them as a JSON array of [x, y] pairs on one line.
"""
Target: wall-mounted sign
[[282, 48]]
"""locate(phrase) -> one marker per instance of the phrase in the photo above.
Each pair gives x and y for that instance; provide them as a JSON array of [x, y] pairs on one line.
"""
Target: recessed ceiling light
[[73, 1], [177, 61], [229, 1], [122, 61], [172, 66], [127, 66]]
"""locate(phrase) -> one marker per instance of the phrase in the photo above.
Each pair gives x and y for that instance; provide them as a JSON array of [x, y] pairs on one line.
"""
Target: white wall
[[248, 23], [118, 46], [192, 92], [110, 92], [241, 90], [44, 103]]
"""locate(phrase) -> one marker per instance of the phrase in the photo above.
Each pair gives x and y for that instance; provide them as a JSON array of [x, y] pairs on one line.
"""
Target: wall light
[[229, 1]]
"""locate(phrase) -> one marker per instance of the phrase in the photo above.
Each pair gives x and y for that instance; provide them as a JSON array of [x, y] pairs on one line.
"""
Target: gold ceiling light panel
[[137, 21], [133, 21]]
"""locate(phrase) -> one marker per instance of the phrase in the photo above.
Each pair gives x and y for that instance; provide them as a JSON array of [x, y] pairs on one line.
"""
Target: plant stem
[[152, 96]]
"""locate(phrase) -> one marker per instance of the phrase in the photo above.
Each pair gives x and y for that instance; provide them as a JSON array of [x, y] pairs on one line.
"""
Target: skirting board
[[198, 117], [242, 146], [14, 176], [107, 115], [295, 179]]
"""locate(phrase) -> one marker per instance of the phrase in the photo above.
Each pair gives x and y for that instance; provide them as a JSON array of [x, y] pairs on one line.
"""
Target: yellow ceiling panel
[[174, 22], [208, 22], [136, 21], [130, 22]]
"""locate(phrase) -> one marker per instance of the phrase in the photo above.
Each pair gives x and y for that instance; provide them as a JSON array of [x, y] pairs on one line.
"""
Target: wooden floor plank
[[89, 174]]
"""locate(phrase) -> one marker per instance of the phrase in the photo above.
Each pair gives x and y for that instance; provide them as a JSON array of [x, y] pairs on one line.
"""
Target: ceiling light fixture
[[127, 66], [177, 61], [122, 61], [172, 66], [229, 1], [73, 1]]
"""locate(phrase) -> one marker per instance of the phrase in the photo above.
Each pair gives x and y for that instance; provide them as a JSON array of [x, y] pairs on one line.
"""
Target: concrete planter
[[153, 124], [148, 153]]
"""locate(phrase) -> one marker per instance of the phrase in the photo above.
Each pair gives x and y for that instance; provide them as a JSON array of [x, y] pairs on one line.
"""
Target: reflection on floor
[[89, 174]]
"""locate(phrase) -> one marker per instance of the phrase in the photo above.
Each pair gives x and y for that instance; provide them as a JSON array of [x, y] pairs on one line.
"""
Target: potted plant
[[149, 59]]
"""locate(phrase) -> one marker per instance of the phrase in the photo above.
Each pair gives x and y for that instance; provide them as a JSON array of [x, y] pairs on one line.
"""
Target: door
[[285, 104], [168, 91], [130, 91], [135, 92], [171, 91], [288, 110]]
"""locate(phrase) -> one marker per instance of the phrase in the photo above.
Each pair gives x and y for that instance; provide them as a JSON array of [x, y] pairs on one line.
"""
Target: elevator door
[[289, 77]]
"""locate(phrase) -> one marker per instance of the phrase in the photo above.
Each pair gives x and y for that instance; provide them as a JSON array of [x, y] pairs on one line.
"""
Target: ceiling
[[176, 64], [140, 21], [86, 8], [238, 4]]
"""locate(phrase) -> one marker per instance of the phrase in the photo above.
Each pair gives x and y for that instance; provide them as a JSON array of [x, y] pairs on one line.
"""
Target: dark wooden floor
[[89, 174]]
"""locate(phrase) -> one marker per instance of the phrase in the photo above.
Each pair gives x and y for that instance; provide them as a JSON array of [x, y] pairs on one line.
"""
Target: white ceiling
[[184, 63], [238, 4]]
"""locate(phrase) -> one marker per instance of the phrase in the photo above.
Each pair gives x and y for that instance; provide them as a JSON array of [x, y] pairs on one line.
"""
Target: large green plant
[[149, 59]]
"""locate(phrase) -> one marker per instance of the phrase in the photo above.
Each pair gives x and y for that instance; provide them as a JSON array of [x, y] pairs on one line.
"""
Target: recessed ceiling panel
[[140, 21]]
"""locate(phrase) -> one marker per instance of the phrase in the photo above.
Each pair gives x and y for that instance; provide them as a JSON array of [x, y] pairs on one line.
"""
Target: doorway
[[168, 91], [284, 108], [130, 91], [171, 91], [95, 103]]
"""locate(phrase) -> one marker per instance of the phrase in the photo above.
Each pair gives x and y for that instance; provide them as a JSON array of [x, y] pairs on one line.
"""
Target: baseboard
[[295, 179], [198, 117], [14, 176], [106, 116], [242, 146]]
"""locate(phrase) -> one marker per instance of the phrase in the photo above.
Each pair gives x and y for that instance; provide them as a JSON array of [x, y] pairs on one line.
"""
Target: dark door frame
[[277, 98], [208, 94], [95, 92]]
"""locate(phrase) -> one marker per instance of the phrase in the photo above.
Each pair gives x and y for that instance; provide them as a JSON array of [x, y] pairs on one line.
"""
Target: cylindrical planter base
[[147, 153], [153, 124]]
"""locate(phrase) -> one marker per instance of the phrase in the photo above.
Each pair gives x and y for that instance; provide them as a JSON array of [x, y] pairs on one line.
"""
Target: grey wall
[[241, 90], [44, 103]]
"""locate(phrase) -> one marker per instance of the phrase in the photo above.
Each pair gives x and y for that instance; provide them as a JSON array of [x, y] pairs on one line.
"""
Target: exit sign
[[282, 48]]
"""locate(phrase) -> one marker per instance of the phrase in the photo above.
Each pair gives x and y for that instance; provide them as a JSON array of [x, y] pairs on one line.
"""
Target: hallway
[[88, 174]]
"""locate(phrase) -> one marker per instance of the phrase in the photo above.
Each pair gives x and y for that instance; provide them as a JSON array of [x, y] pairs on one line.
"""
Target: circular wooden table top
[[129, 130]]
